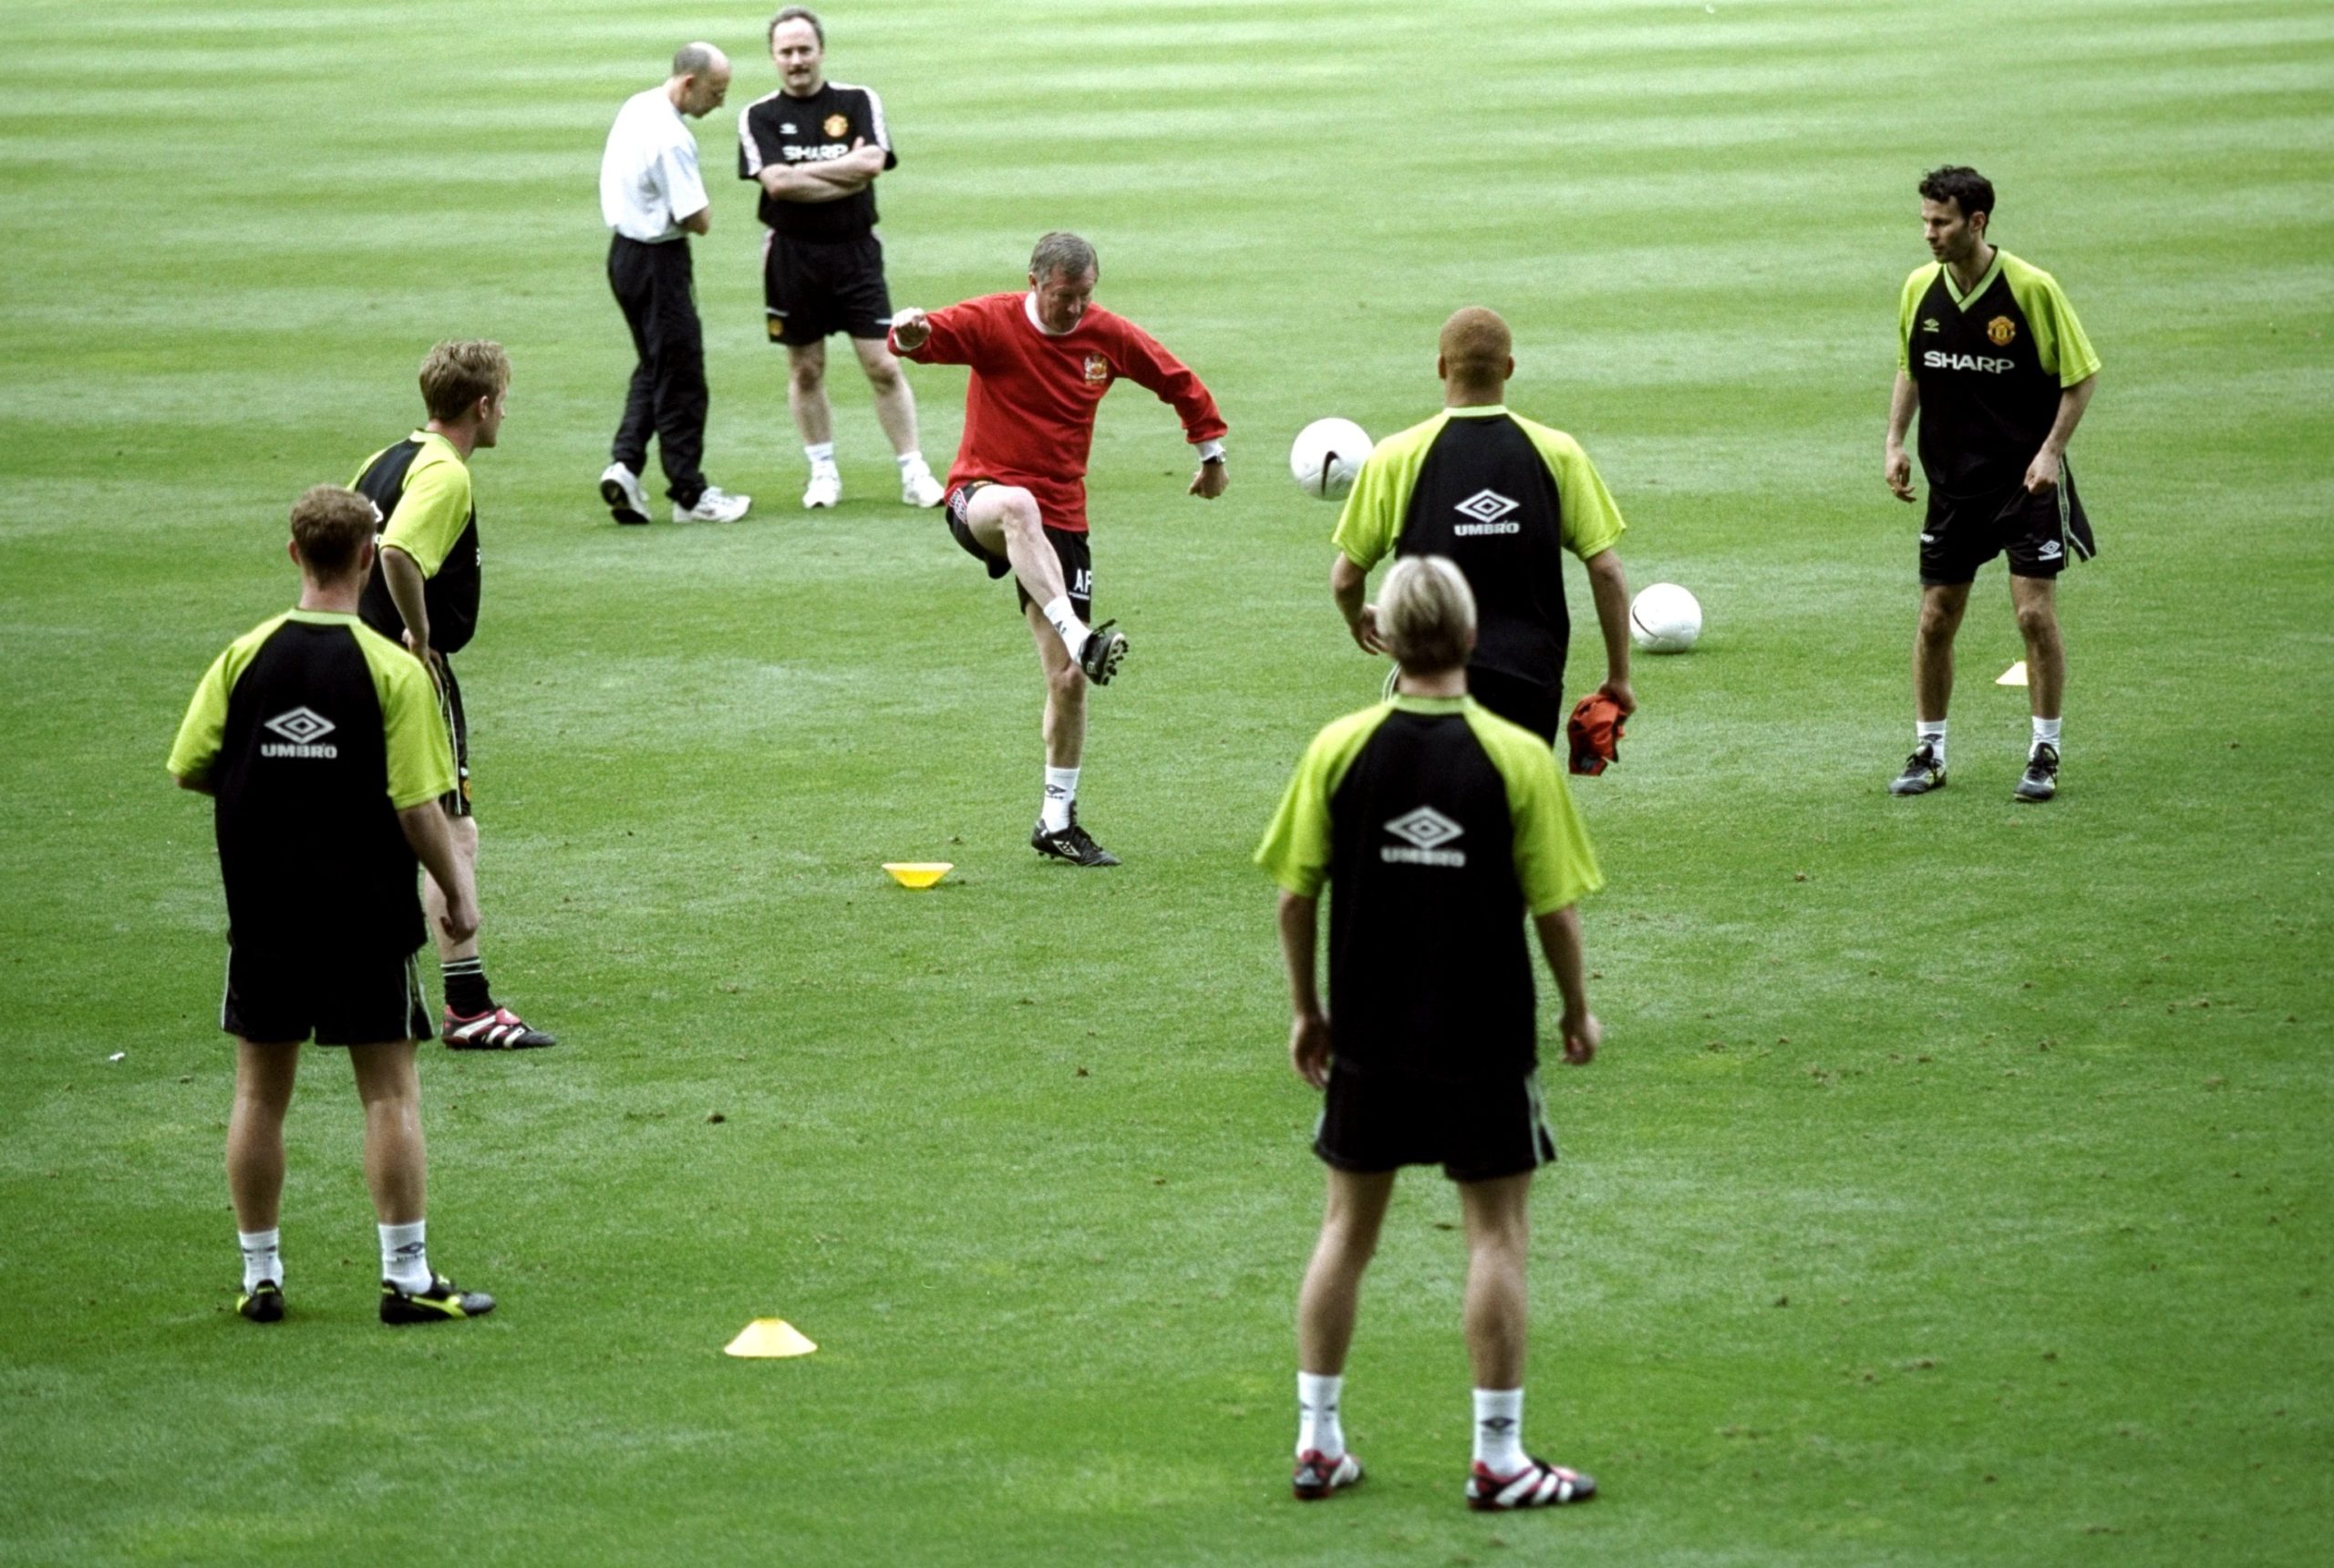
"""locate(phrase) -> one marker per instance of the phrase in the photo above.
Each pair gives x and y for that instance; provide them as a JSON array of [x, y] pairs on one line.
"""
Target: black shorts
[[458, 732], [2038, 532], [1538, 707], [1476, 1132], [811, 291], [1074, 550], [341, 999]]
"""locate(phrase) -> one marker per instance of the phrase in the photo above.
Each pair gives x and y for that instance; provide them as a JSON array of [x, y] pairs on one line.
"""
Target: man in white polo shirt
[[652, 196]]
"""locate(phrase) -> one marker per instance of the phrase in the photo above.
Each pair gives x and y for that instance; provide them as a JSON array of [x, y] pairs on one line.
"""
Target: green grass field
[[1953, 1189]]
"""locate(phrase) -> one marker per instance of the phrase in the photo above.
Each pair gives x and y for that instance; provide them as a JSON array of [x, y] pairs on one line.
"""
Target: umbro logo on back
[[1487, 512], [1425, 830], [303, 727]]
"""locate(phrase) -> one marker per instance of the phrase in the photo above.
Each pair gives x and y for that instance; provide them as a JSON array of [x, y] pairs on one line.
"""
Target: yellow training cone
[[918, 873], [768, 1337], [2014, 675]]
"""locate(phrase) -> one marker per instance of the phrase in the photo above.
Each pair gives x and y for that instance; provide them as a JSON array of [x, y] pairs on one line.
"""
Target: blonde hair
[[456, 375], [1426, 614], [330, 526]]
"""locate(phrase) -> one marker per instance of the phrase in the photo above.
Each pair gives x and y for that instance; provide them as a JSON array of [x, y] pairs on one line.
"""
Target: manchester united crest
[[836, 125], [1097, 369], [2001, 329]]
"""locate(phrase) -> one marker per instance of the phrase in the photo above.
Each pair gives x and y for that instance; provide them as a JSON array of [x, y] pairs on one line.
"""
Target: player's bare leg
[[895, 412], [1003, 520], [264, 1073], [2036, 600], [1329, 1299], [1498, 1217], [1941, 609], [815, 417], [1942, 606], [1065, 684], [473, 1020], [397, 1161]]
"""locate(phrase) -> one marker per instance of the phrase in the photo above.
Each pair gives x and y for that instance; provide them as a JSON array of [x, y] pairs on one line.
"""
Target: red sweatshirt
[[1029, 409]]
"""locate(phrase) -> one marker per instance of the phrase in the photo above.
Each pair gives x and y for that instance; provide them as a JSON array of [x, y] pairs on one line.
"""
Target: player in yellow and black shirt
[[1991, 356], [1505, 499], [425, 593], [321, 747], [1438, 827]]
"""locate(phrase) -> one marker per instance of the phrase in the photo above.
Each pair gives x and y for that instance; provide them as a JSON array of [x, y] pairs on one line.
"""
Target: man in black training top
[[1505, 499], [322, 745], [1438, 827], [1991, 356], [424, 593], [815, 148]]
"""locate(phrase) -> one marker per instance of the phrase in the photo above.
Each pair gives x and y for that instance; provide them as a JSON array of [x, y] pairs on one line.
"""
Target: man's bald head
[[1478, 352], [700, 79]]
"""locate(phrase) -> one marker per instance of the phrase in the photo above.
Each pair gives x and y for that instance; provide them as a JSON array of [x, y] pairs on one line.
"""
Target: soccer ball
[[1665, 619], [1327, 456]]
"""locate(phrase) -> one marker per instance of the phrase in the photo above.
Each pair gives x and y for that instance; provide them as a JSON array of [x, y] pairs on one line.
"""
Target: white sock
[[405, 1260], [911, 465], [822, 454], [2046, 733], [1317, 1429], [1061, 794], [1066, 624], [263, 1256], [1930, 732], [1498, 1430]]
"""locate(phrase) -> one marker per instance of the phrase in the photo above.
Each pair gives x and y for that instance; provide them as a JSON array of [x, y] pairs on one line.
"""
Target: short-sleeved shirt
[[793, 131], [1990, 365], [1502, 497], [313, 732], [648, 172], [422, 490], [1438, 826]]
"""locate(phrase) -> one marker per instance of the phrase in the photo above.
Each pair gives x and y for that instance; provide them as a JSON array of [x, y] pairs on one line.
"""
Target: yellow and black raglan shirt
[[1438, 825], [422, 488], [312, 733], [1502, 497], [1990, 365]]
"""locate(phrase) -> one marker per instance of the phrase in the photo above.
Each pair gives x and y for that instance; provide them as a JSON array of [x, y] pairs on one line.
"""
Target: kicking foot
[[1105, 647]]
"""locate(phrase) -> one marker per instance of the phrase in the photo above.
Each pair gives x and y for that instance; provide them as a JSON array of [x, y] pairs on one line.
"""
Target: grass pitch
[[1952, 1187]]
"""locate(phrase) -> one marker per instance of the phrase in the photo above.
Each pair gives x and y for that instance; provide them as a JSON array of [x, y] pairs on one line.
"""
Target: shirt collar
[[323, 617], [1483, 411], [1411, 703], [1030, 309]]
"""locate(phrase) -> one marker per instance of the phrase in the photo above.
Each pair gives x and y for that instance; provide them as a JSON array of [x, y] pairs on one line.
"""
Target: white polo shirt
[[648, 175]]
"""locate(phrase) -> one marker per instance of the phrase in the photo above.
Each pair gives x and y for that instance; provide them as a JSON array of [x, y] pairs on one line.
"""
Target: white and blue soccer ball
[[1665, 619], [1327, 455]]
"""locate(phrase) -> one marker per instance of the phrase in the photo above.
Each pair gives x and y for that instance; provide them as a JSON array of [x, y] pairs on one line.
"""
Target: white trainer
[[825, 488], [921, 489], [716, 505], [621, 489]]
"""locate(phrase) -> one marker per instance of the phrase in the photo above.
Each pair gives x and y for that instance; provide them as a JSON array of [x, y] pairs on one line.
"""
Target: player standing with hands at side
[[1990, 354], [425, 593], [320, 742], [653, 198], [815, 148], [1041, 362], [1438, 826], [1504, 499]]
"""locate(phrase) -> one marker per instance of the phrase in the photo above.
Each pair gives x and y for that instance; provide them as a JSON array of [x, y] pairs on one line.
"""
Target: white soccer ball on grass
[[1665, 619], [1327, 456]]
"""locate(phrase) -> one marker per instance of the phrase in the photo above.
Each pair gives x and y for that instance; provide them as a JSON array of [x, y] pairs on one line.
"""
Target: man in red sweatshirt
[[1017, 493]]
